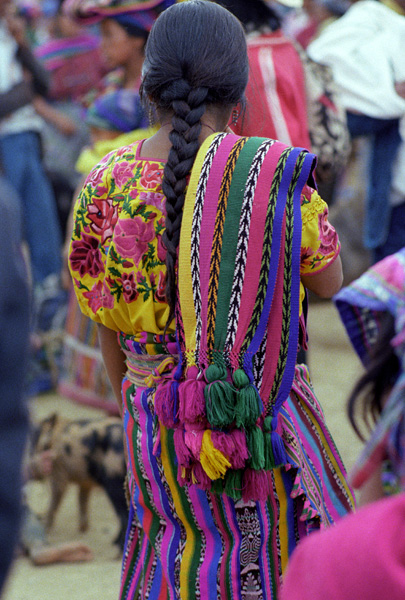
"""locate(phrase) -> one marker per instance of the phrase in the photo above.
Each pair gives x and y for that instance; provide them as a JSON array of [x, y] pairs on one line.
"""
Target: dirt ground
[[333, 366]]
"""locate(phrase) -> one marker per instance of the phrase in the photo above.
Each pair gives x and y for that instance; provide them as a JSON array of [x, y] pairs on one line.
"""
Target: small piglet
[[87, 452]]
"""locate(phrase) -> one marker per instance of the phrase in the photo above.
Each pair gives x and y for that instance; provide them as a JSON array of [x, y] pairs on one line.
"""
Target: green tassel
[[233, 483], [248, 407], [269, 462], [217, 487], [255, 444], [220, 403], [240, 378]]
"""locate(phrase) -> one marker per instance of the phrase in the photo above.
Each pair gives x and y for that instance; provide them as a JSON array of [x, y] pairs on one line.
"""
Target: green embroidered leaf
[[114, 271], [116, 290], [114, 256]]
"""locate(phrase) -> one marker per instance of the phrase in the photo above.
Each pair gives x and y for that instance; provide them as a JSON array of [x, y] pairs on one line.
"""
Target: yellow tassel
[[214, 463]]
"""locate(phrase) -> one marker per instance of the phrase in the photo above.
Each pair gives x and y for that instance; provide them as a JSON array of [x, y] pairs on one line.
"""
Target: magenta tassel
[[256, 485], [193, 440], [233, 446], [191, 400], [201, 477], [183, 453]]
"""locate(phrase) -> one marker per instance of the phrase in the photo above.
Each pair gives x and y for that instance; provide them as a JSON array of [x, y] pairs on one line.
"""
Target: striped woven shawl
[[238, 312]]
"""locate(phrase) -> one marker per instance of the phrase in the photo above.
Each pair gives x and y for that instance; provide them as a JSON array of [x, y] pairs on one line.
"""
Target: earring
[[151, 115], [235, 116]]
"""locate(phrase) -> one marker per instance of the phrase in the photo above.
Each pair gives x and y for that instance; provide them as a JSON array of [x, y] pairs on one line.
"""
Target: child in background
[[364, 555]]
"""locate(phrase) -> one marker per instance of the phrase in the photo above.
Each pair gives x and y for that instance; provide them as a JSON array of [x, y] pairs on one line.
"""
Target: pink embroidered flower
[[85, 256], [107, 298], [103, 215], [154, 199], [161, 250], [129, 289], [306, 254], [95, 177], [327, 235], [306, 194], [151, 176], [131, 237], [94, 296], [123, 150], [134, 194], [160, 292], [122, 172]]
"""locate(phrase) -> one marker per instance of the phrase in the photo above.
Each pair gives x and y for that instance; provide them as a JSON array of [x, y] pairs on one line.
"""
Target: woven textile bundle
[[91, 11], [238, 313]]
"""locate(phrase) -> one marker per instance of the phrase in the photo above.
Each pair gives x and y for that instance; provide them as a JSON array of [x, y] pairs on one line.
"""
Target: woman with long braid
[[194, 248]]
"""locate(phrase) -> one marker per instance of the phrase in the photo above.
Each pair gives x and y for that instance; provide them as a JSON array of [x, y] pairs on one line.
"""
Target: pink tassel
[[201, 478], [183, 476], [256, 485], [193, 440], [191, 400], [233, 446], [183, 453]]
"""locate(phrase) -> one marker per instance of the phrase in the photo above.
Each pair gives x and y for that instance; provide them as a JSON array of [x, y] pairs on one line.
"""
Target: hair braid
[[186, 123], [195, 57]]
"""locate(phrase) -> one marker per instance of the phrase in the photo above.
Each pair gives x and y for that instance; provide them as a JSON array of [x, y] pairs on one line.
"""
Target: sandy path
[[333, 368]]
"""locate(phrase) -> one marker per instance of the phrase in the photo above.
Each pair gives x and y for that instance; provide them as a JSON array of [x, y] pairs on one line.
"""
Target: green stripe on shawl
[[230, 237], [266, 255], [217, 241]]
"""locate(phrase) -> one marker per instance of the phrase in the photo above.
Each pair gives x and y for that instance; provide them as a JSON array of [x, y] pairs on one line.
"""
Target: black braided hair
[[195, 56], [382, 370]]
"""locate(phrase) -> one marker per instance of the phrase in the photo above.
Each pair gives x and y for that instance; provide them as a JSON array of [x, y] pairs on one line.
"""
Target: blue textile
[[20, 157], [385, 145]]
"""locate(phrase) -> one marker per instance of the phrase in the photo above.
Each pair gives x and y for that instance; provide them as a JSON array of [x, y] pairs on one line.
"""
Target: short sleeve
[[116, 258], [320, 244]]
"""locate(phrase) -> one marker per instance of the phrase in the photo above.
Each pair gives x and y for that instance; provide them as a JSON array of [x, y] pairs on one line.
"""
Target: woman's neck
[[158, 146]]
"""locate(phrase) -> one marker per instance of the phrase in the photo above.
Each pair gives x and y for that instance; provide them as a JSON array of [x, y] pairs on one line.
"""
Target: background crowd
[[324, 75]]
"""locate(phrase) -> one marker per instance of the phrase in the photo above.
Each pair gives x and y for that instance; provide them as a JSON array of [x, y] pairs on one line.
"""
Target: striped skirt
[[185, 544]]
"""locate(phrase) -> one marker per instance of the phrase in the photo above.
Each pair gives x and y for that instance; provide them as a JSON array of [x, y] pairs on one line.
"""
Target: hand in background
[[400, 88]]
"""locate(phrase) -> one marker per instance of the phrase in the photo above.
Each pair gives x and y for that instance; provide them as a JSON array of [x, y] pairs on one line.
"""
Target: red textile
[[276, 96]]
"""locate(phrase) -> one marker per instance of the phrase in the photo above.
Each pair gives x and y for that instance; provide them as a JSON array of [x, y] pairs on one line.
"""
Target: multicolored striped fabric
[[184, 543], [195, 531], [142, 12]]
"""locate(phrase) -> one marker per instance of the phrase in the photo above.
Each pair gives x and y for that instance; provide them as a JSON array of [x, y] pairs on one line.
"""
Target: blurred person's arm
[[55, 117], [39, 76], [18, 96]]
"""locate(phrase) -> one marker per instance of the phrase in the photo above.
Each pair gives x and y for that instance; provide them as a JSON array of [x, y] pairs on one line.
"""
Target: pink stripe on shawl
[[208, 223], [256, 234], [235, 567], [207, 563], [274, 331]]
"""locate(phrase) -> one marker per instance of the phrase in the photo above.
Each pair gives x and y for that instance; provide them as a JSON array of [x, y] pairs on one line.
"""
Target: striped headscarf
[[361, 305], [237, 318], [140, 14]]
